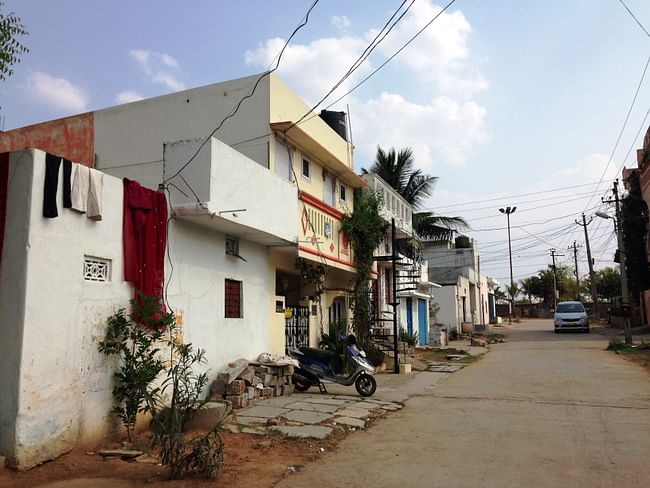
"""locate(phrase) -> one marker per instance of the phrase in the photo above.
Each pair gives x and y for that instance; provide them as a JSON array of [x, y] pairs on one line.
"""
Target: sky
[[508, 103]]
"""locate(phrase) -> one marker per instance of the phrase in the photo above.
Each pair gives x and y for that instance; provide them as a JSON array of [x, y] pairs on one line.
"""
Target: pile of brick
[[242, 382]]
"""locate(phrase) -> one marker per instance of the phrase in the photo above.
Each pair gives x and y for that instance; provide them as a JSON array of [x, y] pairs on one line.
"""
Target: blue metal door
[[409, 315], [423, 326]]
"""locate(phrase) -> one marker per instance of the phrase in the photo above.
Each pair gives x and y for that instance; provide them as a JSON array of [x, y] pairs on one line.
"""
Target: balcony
[[394, 206], [224, 190]]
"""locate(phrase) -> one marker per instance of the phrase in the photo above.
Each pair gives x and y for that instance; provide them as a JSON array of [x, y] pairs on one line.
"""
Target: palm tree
[[398, 170]]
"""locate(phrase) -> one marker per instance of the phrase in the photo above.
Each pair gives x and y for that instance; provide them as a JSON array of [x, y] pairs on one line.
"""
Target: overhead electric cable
[[302, 23], [634, 17]]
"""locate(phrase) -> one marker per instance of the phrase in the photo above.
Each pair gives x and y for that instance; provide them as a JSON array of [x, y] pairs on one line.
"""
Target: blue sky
[[497, 99]]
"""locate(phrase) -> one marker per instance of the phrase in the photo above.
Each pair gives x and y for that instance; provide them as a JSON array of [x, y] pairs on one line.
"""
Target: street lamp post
[[508, 211]]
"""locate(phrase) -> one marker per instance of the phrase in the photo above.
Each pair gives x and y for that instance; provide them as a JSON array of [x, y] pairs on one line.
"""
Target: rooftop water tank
[[336, 120]]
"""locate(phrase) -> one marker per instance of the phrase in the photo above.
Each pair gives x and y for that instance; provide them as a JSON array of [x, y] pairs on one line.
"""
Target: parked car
[[571, 316]]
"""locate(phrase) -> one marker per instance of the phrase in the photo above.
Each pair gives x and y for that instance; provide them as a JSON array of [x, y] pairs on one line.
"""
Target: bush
[[453, 334], [410, 338], [203, 454], [616, 344], [134, 339]]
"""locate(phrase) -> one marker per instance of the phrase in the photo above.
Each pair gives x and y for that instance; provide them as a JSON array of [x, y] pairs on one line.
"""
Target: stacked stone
[[241, 383]]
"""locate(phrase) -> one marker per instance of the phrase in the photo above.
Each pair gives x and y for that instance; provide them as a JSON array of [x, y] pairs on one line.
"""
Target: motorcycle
[[318, 367]]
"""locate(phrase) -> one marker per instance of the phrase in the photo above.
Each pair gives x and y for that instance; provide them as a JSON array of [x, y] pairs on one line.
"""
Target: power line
[[509, 198], [620, 135], [634, 17], [302, 23]]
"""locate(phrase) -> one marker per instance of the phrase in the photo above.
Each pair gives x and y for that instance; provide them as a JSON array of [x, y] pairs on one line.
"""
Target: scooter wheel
[[300, 386], [365, 385]]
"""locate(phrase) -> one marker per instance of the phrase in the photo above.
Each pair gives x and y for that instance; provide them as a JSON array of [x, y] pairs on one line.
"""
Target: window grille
[[233, 299], [97, 269]]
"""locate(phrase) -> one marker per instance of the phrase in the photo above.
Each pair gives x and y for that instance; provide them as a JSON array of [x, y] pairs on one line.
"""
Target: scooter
[[318, 367]]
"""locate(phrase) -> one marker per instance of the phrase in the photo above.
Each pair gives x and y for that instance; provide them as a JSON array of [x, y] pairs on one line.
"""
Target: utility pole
[[575, 258], [508, 211], [553, 256], [621, 252], [592, 274]]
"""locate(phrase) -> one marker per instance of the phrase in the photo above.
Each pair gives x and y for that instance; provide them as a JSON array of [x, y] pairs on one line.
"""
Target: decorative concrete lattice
[[97, 269]]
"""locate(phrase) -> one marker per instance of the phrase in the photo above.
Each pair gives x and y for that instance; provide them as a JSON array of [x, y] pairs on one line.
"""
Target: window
[[306, 169], [233, 295], [342, 194]]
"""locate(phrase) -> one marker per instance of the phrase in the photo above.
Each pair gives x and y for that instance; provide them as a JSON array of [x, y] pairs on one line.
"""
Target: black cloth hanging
[[67, 180], [52, 165]]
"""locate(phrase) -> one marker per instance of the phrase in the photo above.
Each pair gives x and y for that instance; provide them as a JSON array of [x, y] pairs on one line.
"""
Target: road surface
[[543, 410]]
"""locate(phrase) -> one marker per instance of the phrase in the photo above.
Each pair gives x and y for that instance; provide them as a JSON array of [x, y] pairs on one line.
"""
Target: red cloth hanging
[[145, 238]]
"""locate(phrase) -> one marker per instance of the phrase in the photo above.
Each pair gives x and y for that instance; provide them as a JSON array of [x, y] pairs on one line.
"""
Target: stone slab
[[305, 431], [312, 407], [209, 416], [325, 401], [249, 430], [361, 424], [277, 401], [264, 411], [306, 417], [366, 405], [357, 413], [244, 420]]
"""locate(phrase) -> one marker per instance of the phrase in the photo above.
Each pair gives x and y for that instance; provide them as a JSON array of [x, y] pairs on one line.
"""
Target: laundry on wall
[[82, 188]]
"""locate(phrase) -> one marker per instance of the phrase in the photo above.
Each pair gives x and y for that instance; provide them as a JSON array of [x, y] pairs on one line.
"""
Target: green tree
[[10, 48], [365, 229], [634, 224], [398, 170], [608, 283]]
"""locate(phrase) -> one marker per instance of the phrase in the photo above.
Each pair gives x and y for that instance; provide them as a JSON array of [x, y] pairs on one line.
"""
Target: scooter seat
[[317, 353]]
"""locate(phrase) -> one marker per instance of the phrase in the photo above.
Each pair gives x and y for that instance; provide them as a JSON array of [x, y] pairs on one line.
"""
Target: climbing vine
[[314, 274], [365, 230]]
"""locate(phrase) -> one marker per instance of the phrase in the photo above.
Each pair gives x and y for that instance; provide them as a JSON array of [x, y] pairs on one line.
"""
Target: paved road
[[542, 410]]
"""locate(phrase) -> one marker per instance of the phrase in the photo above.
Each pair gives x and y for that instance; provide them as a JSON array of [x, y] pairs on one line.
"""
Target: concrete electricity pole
[[592, 274], [621, 251], [508, 211], [553, 256], [575, 258]]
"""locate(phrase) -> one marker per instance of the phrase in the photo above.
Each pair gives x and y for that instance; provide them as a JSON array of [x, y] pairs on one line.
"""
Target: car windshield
[[570, 308]]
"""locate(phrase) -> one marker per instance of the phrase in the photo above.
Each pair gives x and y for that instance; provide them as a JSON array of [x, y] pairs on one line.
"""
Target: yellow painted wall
[[287, 106]]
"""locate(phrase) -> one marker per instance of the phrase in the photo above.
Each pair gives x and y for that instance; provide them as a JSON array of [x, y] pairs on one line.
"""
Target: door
[[423, 325], [409, 315], [329, 193]]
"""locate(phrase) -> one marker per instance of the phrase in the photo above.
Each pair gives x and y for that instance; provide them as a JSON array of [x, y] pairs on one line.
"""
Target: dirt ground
[[252, 461]]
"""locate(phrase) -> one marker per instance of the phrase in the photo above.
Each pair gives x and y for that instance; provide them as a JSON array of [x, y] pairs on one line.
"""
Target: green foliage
[[183, 387], [608, 283], [10, 48], [453, 334], [335, 341], [634, 220], [462, 242], [616, 344], [365, 230], [410, 338], [398, 170], [135, 341]]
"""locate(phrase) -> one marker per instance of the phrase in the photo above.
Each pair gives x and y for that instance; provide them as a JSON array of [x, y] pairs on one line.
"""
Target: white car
[[571, 316]]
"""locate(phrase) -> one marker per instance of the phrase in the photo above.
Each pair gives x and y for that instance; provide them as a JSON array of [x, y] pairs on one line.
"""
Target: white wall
[[65, 384], [197, 291], [135, 132], [446, 297]]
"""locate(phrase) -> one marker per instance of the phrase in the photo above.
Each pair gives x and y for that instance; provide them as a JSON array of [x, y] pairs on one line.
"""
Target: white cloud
[[312, 69], [161, 68], [441, 53], [56, 92], [445, 130], [441, 132], [128, 96], [341, 22]]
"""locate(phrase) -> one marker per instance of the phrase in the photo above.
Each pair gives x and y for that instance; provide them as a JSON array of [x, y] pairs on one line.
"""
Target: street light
[[508, 211]]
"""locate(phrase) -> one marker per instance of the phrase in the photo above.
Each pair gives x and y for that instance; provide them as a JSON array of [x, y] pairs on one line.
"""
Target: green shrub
[[134, 338], [453, 334], [615, 344], [410, 338]]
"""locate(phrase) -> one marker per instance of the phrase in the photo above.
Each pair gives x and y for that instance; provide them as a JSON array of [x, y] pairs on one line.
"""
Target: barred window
[[233, 299]]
